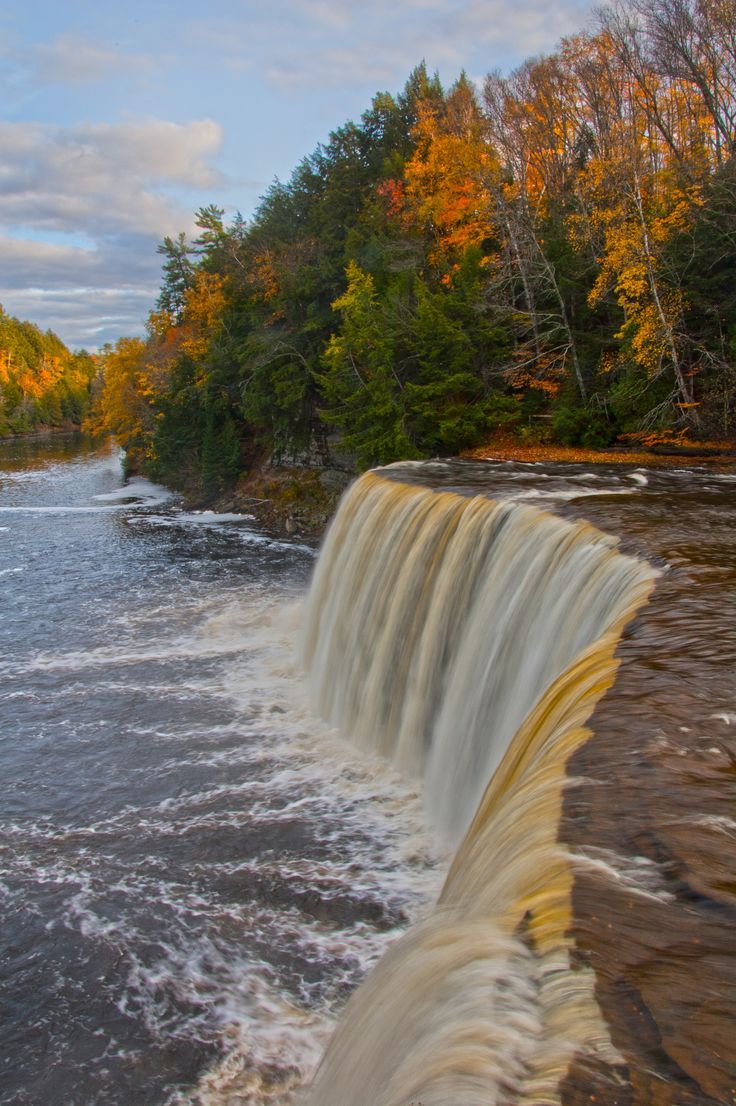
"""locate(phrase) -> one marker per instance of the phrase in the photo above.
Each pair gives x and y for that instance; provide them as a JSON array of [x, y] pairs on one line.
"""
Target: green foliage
[[442, 269], [404, 375], [445, 411], [211, 242], [178, 272], [276, 389], [179, 428], [503, 411], [220, 451], [579, 425], [631, 399], [363, 393], [706, 254]]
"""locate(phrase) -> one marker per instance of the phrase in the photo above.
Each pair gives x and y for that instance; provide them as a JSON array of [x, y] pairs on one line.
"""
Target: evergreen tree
[[178, 273]]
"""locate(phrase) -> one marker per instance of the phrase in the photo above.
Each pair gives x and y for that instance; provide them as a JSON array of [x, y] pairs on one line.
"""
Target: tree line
[[42, 383], [556, 251]]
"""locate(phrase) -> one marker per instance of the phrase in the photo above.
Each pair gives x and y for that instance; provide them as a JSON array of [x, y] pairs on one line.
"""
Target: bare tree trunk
[[684, 387], [552, 277], [528, 295]]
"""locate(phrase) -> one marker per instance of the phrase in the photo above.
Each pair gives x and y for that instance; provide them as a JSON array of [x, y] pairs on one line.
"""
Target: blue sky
[[120, 120]]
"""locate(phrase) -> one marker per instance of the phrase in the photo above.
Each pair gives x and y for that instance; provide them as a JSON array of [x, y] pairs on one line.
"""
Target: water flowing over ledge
[[469, 641]]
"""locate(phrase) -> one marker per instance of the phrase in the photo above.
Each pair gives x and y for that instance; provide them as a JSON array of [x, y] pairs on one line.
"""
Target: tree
[[178, 274], [448, 177], [362, 390], [126, 406]]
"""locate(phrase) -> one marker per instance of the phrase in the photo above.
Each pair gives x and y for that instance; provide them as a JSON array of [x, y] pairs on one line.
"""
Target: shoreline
[[301, 501], [296, 501], [42, 432], [664, 456]]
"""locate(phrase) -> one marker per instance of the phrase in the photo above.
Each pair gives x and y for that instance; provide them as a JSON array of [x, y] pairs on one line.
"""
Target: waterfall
[[468, 641]]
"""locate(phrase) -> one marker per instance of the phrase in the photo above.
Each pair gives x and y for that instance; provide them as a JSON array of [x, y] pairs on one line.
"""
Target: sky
[[119, 120]]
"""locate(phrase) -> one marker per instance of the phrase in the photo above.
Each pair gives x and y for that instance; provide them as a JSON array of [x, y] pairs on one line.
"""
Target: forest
[[553, 256], [42, 383]]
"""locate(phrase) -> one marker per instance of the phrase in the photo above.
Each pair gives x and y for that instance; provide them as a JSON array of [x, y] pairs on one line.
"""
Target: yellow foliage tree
[[124, 407], [204, 307], [449, 176]]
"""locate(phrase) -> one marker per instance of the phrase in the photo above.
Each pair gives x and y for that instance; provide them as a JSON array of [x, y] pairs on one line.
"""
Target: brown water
[[657, 797], [631, 913]]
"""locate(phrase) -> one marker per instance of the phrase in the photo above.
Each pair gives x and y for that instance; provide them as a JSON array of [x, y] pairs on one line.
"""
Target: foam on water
[[561, 495], [210, 518], [639, 875], [208, 956], [195, 871], [61, 509], [136, 490], [234, 523]]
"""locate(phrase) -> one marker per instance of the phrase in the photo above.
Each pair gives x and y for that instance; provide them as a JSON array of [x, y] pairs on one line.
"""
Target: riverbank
[[286, 500], [301, 500], [664, 455], [42, 432]]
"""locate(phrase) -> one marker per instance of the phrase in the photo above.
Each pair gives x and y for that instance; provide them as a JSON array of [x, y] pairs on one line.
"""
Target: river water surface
[[190, 866], [195, 872]]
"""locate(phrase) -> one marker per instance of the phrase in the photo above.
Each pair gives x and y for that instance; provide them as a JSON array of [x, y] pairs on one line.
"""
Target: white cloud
[[104, 178], [157, 149], [349, 43], [525, 28], [43, 265], [87, 296], [331, 13], [338, 65], [73, 60], [85, 318], [120, 187]]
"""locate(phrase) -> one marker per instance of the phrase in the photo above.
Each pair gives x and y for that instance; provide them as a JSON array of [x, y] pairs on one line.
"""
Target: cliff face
[[288, 499]]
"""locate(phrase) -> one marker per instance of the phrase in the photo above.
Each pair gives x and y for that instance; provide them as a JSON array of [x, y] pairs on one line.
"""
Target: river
[[195, 871], [191, 866]]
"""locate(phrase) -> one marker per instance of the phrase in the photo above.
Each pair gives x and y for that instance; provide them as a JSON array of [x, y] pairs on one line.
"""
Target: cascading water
[[194, 873], [468, 641]]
